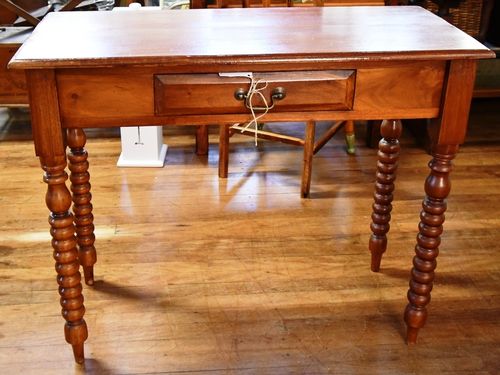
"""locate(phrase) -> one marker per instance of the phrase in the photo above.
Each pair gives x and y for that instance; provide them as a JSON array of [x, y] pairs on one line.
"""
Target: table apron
[[126, 97]]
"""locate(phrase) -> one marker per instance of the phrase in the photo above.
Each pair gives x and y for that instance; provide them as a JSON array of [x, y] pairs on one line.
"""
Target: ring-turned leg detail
[[437, 188], [82, 207], [387, 164], [58, 201]]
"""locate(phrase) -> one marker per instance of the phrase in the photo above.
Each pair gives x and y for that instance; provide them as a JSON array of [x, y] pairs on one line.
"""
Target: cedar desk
[[333, 63]]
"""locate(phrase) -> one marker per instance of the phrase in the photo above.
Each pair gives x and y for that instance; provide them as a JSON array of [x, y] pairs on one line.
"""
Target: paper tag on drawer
[[237, 74]]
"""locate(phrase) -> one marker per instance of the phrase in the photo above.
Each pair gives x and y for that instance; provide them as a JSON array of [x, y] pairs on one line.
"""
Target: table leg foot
[[78, 353], [437, 188], [76, 336], [411, 335], [377, 247], [82, 207], [88, 274], [387, 164]]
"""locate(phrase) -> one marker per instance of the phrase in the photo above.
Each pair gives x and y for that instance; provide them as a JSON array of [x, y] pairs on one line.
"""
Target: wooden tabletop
[[153, 37]]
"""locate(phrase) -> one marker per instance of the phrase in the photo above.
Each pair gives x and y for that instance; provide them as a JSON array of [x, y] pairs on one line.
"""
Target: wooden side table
[[97, 78]]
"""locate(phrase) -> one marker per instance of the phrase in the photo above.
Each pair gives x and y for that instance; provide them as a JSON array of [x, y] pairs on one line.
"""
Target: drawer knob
[[277, 94], [240, 94]]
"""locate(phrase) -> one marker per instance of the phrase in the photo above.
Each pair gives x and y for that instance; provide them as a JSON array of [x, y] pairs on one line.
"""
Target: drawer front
[[204, 94]]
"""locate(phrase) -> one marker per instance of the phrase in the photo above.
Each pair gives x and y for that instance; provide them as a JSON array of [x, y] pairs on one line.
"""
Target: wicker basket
[[467, 16]]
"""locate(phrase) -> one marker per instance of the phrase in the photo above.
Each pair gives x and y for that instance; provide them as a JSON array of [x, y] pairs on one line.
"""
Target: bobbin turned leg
[[387, 164], [437, 188], [82, 208], [58, 200]]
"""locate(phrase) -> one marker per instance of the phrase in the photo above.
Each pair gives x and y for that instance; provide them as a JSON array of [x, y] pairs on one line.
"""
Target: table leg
[[202, 140], [437, 188], [223, 150], [82, 206], [387, 164], [58, 200], [307, 160]]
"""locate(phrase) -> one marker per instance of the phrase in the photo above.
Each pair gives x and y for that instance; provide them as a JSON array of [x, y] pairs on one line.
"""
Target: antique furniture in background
[[19, 17], [472, 17], [124, 80], [195, 4], [13, 90], [464, 14], [309, 143]]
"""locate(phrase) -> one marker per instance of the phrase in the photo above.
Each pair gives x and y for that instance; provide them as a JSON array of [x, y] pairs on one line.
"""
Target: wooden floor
[[202, 276]]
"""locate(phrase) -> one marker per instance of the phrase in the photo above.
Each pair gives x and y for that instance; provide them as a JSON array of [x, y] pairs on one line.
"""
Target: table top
[[90, 39]]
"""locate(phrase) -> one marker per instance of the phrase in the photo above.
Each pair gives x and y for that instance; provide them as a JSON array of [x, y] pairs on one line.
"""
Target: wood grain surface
[[200, 36], [103, 97], [249, 278]]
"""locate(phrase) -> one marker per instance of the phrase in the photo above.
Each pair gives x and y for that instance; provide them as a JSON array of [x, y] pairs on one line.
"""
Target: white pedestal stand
[[142, 146]]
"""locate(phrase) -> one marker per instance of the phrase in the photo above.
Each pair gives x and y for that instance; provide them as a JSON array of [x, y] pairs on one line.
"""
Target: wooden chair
[[31, 12], [18, 18], [309, 143]]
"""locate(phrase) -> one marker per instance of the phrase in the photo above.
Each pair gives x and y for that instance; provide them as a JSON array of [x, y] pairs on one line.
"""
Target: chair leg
[[308, 157], [350, 137], [373, 133], [202, 140], [223, 150]]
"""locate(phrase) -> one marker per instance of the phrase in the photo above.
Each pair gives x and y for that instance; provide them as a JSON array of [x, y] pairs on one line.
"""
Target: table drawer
[[190, 94]]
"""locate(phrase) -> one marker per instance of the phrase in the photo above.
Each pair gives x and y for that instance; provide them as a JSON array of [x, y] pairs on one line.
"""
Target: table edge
[[242, 59]]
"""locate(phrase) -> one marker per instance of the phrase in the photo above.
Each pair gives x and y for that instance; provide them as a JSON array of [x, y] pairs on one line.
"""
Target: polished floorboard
[[197, 275]]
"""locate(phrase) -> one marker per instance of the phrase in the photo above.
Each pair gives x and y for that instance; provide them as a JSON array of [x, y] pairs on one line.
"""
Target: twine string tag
[[254, 90]]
